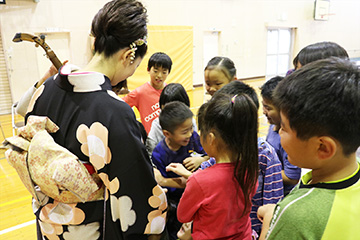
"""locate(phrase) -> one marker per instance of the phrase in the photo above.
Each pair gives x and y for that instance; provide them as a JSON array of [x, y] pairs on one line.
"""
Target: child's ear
[[327, 148], [211, 138], [166, 133]]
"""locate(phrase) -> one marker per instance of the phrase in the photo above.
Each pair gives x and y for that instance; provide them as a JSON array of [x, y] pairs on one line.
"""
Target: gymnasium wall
[[177, 42], [242, 25]]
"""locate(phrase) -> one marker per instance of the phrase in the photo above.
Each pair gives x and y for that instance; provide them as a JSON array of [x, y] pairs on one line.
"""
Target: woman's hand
[[158, 177], [52, 71]]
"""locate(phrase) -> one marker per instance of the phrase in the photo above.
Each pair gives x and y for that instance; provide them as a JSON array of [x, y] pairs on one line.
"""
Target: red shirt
[[146, 99], [213, 200]]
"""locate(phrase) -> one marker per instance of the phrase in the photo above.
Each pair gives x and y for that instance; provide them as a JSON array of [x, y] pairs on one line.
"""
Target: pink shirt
[[214, 201], [146, 99]]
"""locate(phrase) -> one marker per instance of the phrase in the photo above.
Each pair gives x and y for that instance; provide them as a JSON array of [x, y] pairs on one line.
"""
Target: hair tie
[[233, 99]]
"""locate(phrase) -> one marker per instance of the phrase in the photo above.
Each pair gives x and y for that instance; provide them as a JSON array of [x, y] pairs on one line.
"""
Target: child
[[146, 97], [171, 92], [320, 130], [290, 173], [218, 72], [180, 143], [320, 50], [218, 199], [270, 189], [317, 51]]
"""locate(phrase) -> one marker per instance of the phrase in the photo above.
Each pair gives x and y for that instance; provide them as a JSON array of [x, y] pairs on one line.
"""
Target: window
[[279, 48]]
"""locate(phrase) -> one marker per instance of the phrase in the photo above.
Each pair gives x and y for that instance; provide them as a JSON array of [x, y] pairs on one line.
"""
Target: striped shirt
[[270, 189]]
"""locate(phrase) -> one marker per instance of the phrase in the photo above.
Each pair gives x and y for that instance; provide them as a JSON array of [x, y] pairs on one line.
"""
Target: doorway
[[210, 50]]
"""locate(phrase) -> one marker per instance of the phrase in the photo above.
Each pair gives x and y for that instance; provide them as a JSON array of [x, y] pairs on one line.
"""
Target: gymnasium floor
[[16, 218]]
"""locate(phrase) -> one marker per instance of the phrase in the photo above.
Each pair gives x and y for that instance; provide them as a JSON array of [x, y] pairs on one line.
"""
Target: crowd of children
[[232, 191], [320, 130]]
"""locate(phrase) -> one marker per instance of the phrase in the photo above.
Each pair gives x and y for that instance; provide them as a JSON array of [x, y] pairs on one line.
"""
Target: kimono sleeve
[[135, 199], [191, 201], [22, 105]]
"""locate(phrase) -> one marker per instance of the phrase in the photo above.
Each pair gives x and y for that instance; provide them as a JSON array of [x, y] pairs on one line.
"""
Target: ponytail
[[235, 119], [245, 123]]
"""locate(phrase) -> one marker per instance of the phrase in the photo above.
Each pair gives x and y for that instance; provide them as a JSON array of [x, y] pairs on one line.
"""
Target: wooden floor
[[16, 218]]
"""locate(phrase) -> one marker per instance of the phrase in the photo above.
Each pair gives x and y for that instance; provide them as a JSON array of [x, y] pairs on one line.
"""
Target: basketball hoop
[[321, 10]]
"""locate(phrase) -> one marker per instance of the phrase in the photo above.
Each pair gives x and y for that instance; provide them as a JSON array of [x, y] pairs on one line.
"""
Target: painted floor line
[[17, 227]]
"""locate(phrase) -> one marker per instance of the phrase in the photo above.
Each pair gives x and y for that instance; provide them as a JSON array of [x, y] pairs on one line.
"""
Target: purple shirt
[[163, 156]]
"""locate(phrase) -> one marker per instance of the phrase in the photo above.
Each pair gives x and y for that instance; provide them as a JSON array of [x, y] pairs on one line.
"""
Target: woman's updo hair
[[118, 24]]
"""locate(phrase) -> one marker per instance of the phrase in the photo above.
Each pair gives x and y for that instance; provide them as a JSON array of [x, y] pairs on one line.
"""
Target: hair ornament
[[233, 99], [141, 41], [133, 47]]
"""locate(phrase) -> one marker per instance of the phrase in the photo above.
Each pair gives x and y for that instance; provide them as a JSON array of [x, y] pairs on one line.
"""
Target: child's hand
[[265, 210], [185, 231], [193, 163], [179, 169], [265, 214], [178, 182]]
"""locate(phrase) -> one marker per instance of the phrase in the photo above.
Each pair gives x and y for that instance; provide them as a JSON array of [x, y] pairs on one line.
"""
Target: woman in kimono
[[101, 130]]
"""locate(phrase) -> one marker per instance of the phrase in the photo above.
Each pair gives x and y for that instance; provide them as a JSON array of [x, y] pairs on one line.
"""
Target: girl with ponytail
[[218, 199]]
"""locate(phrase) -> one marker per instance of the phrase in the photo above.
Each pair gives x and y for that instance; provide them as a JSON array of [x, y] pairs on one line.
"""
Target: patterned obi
[[40, 161]]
